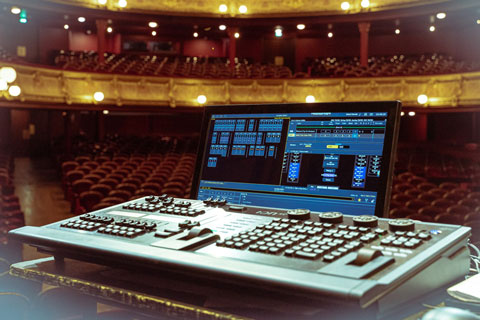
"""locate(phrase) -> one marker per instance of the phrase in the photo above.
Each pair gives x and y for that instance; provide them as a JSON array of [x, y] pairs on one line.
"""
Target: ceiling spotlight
[[154, 33], [66, 26], [122, 3], [152, 24], [330, 34], [237, 35], [109, 29], [14, 91], [310, 99], [441, 15], [102, 2], [201, 99], [278, 32], [242, 9], [411, 113], [195, 34], [222, 27], [300, 26], [8, 74], [422, 99], [81, 19], [89, 32], [402, 113], [15, 10], [345, 5], [432, 28], [397, 31], [106, 112], [478, 21], [365, 3], [223, 8], [98, 96]]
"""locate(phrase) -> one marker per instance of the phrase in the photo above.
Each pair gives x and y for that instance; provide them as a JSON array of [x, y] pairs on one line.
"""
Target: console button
[[331, 217], [401, 225]]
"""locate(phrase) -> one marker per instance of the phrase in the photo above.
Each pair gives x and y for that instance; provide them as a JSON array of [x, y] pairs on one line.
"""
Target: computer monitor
[[318, 156]]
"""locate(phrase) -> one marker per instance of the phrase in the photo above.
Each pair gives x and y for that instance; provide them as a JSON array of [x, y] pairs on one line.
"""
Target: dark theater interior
[[239, 159]]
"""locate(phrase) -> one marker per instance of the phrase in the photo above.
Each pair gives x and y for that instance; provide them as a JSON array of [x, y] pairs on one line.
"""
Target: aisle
[[41, 195]]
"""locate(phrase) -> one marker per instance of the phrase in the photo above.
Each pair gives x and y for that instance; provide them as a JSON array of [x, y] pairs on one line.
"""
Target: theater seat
[[88, 199], [449, 219]]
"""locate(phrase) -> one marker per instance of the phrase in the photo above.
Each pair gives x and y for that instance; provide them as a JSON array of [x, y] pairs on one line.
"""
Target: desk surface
[[152, 295], [146, 293]]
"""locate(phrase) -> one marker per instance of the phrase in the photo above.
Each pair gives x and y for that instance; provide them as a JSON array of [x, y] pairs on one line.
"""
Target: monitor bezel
[[391, 134]]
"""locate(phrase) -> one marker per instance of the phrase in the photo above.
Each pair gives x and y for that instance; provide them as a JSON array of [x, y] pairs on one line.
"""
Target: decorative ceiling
[[254, 8]]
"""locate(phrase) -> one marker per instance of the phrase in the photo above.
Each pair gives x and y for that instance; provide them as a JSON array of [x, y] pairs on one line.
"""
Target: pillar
[[101, 39], [232, 46], [364, 28]]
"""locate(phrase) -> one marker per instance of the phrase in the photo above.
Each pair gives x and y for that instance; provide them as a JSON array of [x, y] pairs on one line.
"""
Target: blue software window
[[323, 161]]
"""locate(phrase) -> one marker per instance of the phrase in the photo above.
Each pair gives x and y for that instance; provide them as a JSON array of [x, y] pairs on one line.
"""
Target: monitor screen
[[322, 157]]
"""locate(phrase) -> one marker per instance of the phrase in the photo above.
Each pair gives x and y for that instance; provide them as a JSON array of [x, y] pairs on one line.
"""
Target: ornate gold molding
[[52, 86], [255, 8]]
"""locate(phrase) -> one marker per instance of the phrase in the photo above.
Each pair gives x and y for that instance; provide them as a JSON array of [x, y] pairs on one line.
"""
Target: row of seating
[[383, 66], [154, 65], [439, 162], [92, 184], [122, 168]]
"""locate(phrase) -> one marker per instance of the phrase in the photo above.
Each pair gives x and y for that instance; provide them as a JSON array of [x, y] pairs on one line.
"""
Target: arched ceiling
[[255, 8]]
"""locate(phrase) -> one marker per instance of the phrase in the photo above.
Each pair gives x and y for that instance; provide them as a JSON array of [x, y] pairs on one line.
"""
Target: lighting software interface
[[329, 161]]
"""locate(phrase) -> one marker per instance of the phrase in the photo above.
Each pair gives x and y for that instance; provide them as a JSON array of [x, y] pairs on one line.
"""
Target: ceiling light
[[66, 26], [411, 113], [14, 91], [102, 1], [88, 31], [106, 112], [397, 31], [478, 21], [402, 113], [432, 28], [365, 3], [98, 96], [8, 74], [223, 8], [300, 26], [195, 34], [310, 99], [330, 34], [278, 32], [109, 29], [222, 27], [81, 19], [422, 99], [152, 24], [201, 99], [3, 85], [441, 15], [237, 35], [345, 5], [15, 10], [22, 20], [154, 33], [122, 3], [242, 9]]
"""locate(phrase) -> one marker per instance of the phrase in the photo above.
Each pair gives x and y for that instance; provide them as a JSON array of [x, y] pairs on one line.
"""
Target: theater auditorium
[[104, 108]]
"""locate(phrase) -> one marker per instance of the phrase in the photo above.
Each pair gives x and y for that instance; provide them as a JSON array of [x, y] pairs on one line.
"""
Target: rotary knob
[[365, 221], [401, 225], [299, 214], [331, 217]]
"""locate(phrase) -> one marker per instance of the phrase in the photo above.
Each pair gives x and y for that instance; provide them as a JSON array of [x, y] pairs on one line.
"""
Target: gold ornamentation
[[256, 8], [43, 85]]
